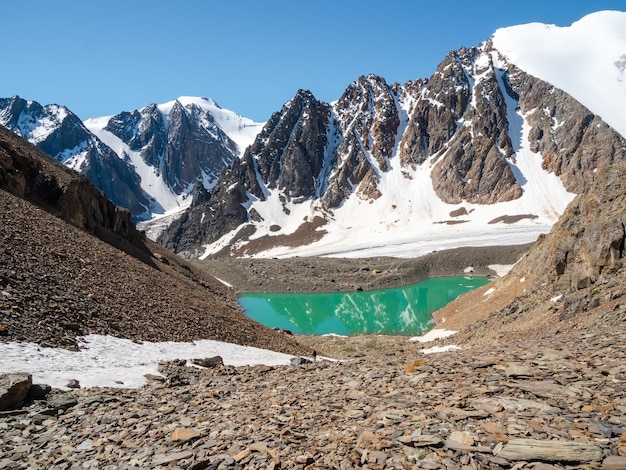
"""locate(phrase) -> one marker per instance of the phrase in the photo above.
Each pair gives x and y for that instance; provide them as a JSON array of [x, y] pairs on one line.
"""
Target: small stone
[[412, 366], [38, 392], [164, 459], [209, 362], [242, 455], [86, 445], [614, 462], [62, 402], [462, 438], [73, 383], [13, 389], [260, 447], [185, 434], [518, 370]]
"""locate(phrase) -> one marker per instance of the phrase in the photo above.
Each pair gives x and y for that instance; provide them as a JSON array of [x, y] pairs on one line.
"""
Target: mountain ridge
[[495, 143]]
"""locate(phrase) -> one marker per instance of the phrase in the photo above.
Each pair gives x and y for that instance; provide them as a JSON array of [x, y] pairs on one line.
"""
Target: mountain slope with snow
[[484, 152], [174, 145], [586, 59]]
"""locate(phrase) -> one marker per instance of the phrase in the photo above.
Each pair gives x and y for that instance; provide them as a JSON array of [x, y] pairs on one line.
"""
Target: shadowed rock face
[[289, 152], [587, 245], [28, 173], [573, 141], [474, 166]]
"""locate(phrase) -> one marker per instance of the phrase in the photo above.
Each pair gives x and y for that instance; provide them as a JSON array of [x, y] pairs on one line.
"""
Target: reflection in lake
[[403, 310]]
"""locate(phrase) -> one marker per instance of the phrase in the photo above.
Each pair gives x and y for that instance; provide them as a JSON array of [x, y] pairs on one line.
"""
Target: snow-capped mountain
[[146, 160], [61, 134], [173, 146], [482, 152]]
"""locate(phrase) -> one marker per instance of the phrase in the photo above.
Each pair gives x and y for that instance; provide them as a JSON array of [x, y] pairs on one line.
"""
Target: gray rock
[[62, 402]]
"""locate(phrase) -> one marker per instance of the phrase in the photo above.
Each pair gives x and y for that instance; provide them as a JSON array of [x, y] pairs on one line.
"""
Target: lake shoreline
[[396, 311], [328, 275]]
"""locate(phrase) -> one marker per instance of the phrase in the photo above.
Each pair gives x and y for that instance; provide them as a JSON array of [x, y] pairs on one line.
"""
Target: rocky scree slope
[[571, 278], [465, 124], [58, 281]]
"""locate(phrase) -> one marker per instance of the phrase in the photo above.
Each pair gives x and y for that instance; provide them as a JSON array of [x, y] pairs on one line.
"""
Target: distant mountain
[[147, 160], [61, 134], [176, 145], [488, 150], [482, 152]]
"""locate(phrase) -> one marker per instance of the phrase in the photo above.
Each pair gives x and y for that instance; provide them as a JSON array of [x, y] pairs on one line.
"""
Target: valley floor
[[322, 274]]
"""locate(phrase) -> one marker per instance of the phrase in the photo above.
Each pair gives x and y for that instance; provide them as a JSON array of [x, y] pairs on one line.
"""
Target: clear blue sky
[[103, 57]]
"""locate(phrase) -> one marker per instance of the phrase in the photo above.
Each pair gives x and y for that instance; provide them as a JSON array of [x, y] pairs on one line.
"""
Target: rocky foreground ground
[[541, 404]]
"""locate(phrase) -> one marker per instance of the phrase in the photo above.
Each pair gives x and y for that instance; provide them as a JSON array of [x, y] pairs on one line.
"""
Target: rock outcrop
[[13, 389], [572, 277], [27, 172]]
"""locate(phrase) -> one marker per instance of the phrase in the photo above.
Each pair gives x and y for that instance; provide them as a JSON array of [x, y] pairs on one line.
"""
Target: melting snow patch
[[432, 335], [501, 269], [440, 349], [491, 290], [106, 361]]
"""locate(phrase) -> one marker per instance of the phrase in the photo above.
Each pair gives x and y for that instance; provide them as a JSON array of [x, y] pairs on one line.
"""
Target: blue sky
[[103, 57]]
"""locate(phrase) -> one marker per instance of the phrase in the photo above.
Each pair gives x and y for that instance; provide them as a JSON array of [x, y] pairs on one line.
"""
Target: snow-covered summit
[[586, 59], [240, 129]]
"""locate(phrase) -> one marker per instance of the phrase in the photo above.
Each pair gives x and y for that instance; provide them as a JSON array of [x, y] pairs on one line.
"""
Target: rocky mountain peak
[[289, 152]]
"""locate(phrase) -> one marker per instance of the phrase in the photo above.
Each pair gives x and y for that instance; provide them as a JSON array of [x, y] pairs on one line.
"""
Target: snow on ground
[[433, 335], [106, 361], [501, 269], [440, 349], [113, 362], [586, 59]]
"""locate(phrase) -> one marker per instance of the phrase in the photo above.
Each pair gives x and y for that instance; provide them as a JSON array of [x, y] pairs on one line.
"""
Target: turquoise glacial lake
[[403, 310]]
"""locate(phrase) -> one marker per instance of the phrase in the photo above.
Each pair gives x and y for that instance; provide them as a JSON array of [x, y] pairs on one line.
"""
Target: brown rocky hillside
[[573, 277], [58, 281]]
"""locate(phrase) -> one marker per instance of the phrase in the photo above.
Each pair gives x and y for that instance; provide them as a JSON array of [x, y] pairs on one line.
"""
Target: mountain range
[[488, 150]]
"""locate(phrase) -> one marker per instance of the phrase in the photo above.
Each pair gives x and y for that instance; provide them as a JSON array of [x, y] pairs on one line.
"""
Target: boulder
[[14, 388]]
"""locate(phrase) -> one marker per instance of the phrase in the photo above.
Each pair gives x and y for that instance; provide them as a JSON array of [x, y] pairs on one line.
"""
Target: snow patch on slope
[[151, 182]]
